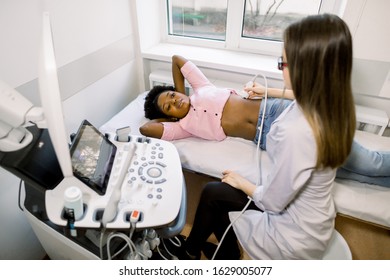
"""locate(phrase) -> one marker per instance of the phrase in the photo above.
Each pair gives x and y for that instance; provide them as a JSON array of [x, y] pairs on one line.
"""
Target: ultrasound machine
[[99, 196]]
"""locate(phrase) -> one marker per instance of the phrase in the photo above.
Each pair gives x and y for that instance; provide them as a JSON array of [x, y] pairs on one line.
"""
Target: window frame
[[234, 26]]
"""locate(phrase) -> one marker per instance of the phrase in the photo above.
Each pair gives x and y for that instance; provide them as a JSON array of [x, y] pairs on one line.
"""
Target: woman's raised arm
[[178, 78]]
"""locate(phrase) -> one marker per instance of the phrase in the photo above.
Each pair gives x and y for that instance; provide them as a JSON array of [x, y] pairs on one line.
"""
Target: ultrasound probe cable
[[258, 160]]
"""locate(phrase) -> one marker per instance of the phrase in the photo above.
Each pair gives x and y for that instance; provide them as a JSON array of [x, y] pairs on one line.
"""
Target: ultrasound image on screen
[[92, 157]]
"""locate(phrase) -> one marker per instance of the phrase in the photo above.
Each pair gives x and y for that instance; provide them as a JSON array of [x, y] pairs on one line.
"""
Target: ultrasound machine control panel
[[119, 176]]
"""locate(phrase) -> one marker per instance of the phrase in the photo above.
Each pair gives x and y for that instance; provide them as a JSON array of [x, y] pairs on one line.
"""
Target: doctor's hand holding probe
[[257, 90], [291, 214]]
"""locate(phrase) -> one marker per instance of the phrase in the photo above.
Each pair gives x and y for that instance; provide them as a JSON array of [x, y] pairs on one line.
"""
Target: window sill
[[225, 60]]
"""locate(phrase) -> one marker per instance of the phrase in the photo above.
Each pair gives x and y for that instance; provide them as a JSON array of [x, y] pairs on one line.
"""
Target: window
[[251, 25], [198, 19], [268, 19]]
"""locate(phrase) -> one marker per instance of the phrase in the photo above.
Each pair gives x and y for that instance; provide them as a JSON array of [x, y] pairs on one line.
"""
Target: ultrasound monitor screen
[[92, 157]]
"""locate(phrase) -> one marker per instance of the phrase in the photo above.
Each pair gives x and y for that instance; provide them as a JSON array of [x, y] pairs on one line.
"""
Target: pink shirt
[[204, 117]]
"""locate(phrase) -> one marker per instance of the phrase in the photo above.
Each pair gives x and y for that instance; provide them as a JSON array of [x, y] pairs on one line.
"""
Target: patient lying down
[[214, 113]]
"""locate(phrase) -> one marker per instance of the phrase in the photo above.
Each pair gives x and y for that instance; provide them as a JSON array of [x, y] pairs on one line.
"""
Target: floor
[[366, 241]]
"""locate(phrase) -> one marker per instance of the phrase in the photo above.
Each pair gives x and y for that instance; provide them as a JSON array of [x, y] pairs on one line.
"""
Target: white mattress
[[362, 201]]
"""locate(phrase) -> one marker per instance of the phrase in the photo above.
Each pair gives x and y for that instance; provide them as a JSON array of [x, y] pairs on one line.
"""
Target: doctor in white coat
[[292, 213]]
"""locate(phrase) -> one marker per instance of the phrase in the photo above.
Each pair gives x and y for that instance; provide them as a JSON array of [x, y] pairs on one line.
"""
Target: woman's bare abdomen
[[240, 116]]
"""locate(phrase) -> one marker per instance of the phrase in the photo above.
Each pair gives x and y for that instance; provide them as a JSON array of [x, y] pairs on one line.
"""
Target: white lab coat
[[299, 212]]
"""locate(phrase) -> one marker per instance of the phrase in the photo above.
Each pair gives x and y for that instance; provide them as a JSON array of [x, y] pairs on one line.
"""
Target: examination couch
[[363, 202]]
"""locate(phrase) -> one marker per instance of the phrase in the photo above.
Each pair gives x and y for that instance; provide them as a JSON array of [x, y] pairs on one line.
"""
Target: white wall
[[97, 50], [369, 23], [151, 22]]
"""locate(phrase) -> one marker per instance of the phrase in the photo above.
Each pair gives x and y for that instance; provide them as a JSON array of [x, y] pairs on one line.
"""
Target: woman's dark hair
[[319, 56], [152, 111]]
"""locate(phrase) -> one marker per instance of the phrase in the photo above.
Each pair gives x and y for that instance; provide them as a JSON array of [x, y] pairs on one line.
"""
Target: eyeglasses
[[281, 64]]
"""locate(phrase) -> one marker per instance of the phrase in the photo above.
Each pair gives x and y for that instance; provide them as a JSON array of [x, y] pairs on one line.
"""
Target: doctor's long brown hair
[[319, 57]]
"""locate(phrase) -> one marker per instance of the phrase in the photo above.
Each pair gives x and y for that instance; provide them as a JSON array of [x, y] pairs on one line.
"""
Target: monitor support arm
[[15, 112]]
